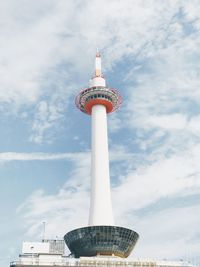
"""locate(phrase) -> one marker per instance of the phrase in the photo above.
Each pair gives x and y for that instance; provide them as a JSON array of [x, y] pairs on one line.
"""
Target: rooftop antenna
[[44, 229]]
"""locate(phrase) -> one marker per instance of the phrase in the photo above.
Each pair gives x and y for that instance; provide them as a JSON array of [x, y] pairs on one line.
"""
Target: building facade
[[47, 254]]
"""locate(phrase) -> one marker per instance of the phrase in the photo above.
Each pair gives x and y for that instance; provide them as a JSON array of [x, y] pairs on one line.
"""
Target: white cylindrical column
[[100, 200]]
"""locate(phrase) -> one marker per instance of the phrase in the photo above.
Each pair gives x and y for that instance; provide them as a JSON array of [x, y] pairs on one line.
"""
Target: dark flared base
[[101, 240]]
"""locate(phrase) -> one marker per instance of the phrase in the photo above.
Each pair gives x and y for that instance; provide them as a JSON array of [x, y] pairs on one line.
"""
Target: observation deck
[[101, 240], [95, 95]]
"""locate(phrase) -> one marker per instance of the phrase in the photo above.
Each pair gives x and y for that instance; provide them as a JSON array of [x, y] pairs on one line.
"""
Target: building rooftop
[[51, 252]]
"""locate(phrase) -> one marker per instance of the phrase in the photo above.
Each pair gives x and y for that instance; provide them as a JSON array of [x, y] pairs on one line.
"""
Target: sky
[[150, 53]]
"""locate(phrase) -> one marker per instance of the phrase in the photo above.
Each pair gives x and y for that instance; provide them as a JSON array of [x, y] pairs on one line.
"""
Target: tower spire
[[97, 79], [98, 64]]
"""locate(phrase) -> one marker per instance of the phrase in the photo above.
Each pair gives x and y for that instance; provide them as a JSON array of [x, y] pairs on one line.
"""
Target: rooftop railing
[[98, 263]]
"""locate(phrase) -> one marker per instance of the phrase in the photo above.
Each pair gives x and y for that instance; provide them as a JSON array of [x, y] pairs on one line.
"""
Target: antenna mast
[[44, 230]]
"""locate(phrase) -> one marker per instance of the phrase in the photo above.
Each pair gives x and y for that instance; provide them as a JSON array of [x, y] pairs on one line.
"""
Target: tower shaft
[[100, 201]]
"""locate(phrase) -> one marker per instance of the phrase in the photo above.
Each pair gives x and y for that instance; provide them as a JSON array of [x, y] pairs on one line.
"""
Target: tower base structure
[[101, 240]]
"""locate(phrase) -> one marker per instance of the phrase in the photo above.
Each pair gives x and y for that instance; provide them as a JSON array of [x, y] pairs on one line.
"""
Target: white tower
[[101, 237], [97, 101], [100, 201]]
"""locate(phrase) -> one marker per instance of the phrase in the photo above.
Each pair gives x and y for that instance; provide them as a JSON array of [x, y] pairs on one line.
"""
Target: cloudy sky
[[150, 52]]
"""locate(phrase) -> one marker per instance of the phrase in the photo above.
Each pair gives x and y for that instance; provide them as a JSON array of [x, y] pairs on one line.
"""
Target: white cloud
[[14, 156], [161, 233], [37, 47], [168, 122], [178, 175], [117, 154], [64, 211], [46, 117]]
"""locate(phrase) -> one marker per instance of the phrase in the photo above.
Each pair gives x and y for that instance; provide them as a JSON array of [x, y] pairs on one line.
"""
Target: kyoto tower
[[101, 237]]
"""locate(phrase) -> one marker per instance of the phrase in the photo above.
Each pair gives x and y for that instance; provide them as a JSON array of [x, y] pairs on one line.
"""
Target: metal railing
[[42, 263], [98, 263]]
